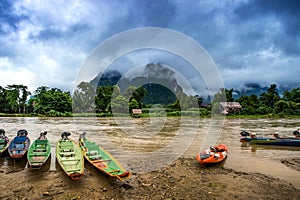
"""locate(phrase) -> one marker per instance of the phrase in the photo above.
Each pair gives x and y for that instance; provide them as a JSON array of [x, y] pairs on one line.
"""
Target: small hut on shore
[[230, 107], [136, 112]]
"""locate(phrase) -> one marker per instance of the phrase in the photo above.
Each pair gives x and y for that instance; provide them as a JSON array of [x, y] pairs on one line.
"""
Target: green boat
[[69, 157], [101, 159], [39, 152], [4, 141]]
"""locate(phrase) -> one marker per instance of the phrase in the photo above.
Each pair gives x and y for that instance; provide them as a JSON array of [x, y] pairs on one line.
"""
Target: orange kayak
[[213, 155]]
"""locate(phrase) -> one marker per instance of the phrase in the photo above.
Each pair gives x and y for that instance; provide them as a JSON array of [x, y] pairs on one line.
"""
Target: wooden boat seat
[[96, 161], [39, 150], [19, 149], [67, 150], [67, 160], [73, 170], [116, 170], [67, 154], [70, 162], [39, 153], [92, 152], [95, 157]]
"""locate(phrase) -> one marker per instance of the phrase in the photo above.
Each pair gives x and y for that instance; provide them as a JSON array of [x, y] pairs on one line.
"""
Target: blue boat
[[277, 141], [19, 145]]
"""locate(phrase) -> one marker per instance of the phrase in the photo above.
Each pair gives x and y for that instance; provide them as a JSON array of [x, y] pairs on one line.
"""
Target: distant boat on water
[[277, 140]]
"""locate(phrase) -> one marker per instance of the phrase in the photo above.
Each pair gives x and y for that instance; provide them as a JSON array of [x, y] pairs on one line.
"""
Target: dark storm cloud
[[147, 13], [286, 12], [250, 41]]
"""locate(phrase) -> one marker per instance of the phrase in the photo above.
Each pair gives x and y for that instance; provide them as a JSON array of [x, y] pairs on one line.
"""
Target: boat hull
[[38, 153], [19, 146], [70, 158], [272, 141], [3, 146], [102, 160], [209, 158], [278, 142]]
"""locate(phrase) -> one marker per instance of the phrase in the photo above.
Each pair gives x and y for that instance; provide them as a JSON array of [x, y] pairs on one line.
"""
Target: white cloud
[[11, 75], [53, 60]]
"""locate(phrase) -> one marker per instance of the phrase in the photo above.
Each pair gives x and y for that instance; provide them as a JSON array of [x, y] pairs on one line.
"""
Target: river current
[[144, 144]]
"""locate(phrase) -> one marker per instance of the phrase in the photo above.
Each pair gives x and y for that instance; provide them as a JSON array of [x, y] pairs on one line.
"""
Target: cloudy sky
[[46, 42]]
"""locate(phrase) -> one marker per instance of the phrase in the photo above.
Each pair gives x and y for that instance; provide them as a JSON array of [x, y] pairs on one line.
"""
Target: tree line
[[108, 100]]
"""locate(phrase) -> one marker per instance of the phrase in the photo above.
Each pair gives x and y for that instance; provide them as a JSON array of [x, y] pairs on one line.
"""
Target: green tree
[[293, 95], [199, 100], [12, 98], [3, 101], [119, 104], [135, 93], [218, 98], [293, 98], [84, 98], [270, 97], [24, 96], [51, 100], [281, 106], [39, 100], [249, 104], [133, 104], [229, 97], [103, 98]]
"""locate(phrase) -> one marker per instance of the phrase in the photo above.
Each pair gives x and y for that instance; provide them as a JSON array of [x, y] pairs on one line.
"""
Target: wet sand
[[184, 179]]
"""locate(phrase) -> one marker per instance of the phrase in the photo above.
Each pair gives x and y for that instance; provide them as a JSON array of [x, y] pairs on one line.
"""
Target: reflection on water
[[126, 138]]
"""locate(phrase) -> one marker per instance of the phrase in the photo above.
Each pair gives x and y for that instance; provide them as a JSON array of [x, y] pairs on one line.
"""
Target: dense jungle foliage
[[109, 100]]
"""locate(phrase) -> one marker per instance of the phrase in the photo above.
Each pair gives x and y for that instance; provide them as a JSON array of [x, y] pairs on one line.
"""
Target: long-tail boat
[[70, 157], [4, 141], [276, 141], [18, 147], [39, 152], [101, 159]]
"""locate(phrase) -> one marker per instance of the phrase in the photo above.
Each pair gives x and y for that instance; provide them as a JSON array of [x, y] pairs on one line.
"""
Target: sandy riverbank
[[184, 179]]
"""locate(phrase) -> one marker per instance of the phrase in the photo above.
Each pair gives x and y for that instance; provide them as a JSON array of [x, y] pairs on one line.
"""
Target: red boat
[[213, 155]]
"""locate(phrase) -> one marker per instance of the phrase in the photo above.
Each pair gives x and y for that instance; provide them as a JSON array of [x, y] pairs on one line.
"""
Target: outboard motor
[[82, 136], [43, 135], [65, 135], [245, 134], [296, 133], [276, 135], [22, 132]]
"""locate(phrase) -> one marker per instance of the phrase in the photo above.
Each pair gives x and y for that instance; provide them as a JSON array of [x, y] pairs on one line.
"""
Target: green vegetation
[[108, 101], [270, 103]]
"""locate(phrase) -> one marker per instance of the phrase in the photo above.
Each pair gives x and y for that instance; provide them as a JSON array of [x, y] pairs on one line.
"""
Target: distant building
[[229, 107], [204, 105], [136, 112]]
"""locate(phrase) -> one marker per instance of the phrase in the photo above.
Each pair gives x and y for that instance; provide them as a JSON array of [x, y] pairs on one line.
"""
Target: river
[[144, 144]]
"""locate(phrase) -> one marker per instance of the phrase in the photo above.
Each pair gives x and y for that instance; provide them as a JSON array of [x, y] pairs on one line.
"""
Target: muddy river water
[[144, 144]]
